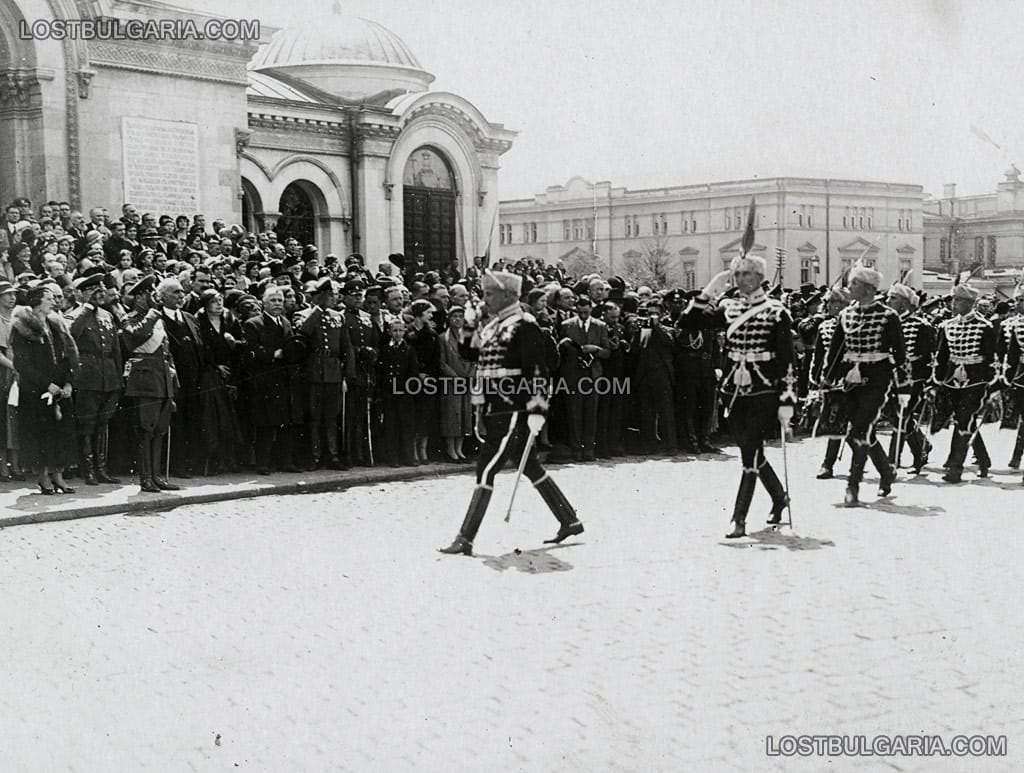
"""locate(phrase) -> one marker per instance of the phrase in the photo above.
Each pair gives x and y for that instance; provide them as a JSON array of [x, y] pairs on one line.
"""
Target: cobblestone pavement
[[323, 632]]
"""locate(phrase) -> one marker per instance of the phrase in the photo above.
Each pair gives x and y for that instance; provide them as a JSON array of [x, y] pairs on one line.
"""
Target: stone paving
[[324, 633]]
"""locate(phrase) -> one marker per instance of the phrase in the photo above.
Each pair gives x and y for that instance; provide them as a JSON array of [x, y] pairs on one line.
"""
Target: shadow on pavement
[[537, 561], [770, 539]]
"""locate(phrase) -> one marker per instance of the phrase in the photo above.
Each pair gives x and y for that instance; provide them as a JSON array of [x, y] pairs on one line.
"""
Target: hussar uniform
[[511, 386], [964, 371], [760, 375], [823, 339], [865, 356], [1011, 334], [920, 338]]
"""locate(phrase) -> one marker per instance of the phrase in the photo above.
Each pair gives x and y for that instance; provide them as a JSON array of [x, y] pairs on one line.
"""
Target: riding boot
[[916, 441], [982, 455], [957, 453], [158, 457], [87, 461], [744, 496], [1018, 449], [775, 490], [886, 473], [144, 462], [463, 543], [102, 445], [831, 454], [568, 524], [860, 458]]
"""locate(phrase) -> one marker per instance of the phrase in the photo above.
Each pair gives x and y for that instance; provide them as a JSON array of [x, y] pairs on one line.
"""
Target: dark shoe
[[952, 476], [89, 477], [707, 448], [148, 486], [564, 532], [589, 458], [852, 498], [460, 545], [102, 476], [163, 485], [335, 463], [1014, 462], [885, 485], [262, 471], [48, 490], [824, 473], [739, 529], [982, 471], [776, 512], [65, 489]]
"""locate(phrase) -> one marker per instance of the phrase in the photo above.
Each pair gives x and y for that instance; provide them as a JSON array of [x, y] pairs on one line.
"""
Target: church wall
[[218, 109]]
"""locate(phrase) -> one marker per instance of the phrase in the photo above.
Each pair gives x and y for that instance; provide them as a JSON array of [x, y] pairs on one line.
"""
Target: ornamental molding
[[291, 124], [179, 61]]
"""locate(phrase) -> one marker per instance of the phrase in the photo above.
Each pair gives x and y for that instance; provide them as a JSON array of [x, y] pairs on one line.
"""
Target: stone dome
[[344, 55]]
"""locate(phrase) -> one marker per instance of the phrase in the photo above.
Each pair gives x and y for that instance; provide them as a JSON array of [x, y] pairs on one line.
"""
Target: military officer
[[759, 385], [964, 371], [865, 354], [328, 350], [360, 374], [696, 357], [97, 380], [150, 382], [838, 299], [919, 338], [1013, 327], [512, 380]]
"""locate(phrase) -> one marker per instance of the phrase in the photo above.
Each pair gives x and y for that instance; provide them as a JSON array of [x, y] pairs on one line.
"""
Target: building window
[[664, 224], [806, 270], [905, 265], [533, 232], [636, 225], [846, 263], [979, 248], [693, 225], [739, 218], [501, 234], [577, 230], [844, 221], [728, 221], [991, 255], [689, 275], [684, 220], [810, 216], [590, 230], [566, 230], [862, 222], [800, 218], [943, 249]]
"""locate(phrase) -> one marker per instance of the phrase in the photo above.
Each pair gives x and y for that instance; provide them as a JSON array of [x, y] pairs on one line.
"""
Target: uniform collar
[[758, 296], [509, 310]]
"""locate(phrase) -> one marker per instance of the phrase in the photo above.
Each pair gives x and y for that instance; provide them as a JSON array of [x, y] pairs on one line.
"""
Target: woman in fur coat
[[44, 358]]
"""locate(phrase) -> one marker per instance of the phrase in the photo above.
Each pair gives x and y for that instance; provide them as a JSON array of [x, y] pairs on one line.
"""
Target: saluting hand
[[719, 284]]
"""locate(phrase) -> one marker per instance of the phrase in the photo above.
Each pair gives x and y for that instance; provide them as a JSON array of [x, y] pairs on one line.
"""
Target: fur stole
[[30, 327]]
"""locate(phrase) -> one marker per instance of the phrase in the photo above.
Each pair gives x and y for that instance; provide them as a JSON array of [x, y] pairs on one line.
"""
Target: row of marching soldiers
[[876, 355]]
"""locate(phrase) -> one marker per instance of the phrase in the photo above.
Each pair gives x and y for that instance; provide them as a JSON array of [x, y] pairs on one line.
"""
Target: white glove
[[535, 421], [719, 284], [904, 399], [785, 415]]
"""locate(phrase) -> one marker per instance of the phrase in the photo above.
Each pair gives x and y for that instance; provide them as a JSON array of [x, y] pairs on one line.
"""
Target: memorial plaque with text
[[161, 165]]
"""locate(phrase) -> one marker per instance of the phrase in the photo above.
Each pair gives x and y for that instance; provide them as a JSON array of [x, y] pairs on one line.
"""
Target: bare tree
[[583, 262], [655, 267]]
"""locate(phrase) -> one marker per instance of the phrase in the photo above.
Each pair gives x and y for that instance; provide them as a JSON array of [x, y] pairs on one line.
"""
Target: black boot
[[86, 461], [157, 457], [102, 444], [568, 524], [744, 496], [957, 453], [773, 485], [886, 473], [860, 458], [831, 454], [471, 523], [145, 465], [919, 447], [1018, 449], [981, 454]]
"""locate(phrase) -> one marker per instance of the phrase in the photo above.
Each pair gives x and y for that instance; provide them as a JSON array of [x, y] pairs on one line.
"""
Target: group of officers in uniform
[[873, 352]]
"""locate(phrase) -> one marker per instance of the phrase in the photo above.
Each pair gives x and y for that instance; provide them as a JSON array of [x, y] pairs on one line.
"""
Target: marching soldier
[[512, 375], [964, 371], [759, 386], [919, 340], [865, 353], [328, 352], [150, 383], [1012, 328], [838, 299], [97, 380]]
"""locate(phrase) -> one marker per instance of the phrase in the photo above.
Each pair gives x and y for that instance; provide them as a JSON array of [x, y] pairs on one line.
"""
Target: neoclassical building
[[824, 226], [328, 131]]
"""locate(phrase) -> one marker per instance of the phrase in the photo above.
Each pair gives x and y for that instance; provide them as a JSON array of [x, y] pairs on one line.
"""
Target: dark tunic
[[276, 394]]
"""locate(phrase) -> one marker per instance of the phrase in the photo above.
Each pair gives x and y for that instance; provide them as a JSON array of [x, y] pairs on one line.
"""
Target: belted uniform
[[328, 351]]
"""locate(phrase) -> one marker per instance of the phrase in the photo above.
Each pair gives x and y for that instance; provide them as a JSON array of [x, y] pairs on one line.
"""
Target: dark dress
[[44, 354], [428, 354], [218, 395]]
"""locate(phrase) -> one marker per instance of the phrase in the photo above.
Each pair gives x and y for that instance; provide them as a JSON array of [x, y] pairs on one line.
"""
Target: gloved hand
[[904, 399], [535, 421], [719, 284], [785, 415]]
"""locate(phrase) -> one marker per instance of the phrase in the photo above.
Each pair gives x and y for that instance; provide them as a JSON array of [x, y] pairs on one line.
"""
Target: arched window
[[252, 208], [297, 215]]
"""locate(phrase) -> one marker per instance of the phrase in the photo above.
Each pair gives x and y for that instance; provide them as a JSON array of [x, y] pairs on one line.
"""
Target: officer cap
[[375, 290], [145, 285], [354, 286], [89, 282], [309, 252], [502, 280], [317, 286], [676, 296]]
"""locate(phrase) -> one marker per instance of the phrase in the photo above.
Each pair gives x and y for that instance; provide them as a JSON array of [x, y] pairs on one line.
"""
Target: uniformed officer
[[838, 299], [696, 357], [97, 380], [328, 351], [1013, 327], [865, 354], [150, 383], [919, 338], [964, 371], [512, 381], [759, 385], [360, 374]]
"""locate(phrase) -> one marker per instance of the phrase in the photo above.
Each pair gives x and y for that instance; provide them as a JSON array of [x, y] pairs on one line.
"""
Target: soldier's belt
[[498, 372], [973, 359], [751, 356], [865, 356]]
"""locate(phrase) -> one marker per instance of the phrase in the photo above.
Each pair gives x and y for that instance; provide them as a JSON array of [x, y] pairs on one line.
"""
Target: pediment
[[575, 252], [734, 246], [807, 247], [689, 252], [906, 249], [860, 245]]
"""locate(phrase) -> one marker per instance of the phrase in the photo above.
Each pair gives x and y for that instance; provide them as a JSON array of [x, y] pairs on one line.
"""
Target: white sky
[[658, 93]]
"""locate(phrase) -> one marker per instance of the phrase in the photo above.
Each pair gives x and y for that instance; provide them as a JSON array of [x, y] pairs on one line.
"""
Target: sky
[[650, 94]]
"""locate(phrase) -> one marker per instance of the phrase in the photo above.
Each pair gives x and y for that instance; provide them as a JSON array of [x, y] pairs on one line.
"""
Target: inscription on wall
[[161, 165]]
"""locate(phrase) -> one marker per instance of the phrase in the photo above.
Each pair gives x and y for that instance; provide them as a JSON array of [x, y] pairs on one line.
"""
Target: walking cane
[[522, 465], [369, 429], [344, 427], [899, 431], [785, 473], [167, 461]]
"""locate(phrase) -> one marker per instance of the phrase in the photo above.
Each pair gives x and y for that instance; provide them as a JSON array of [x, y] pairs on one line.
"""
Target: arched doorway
[[252, 208], [298, 215], [429, 205]]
